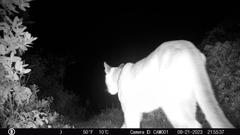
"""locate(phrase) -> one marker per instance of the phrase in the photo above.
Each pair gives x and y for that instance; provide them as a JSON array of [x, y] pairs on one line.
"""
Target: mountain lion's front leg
[[132, 119], [123, 125]]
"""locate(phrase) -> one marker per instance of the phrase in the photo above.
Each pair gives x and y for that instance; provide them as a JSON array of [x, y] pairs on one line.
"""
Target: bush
[[19, 105], [224, 70]]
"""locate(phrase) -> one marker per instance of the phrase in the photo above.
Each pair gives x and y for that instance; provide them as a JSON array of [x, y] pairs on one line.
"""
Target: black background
[[98, 32]]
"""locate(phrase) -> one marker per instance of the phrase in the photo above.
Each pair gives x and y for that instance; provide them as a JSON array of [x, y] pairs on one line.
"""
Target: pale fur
[[172, 77]]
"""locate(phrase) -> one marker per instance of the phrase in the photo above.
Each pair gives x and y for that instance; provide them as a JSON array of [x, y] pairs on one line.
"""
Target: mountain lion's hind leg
[[180, 117], [132, 119]]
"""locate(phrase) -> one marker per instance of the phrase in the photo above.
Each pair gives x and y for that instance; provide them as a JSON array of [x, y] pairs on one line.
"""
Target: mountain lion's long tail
[[208, 103]]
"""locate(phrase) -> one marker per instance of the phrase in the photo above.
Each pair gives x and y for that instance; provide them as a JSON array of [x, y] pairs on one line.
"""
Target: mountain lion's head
[[111, 77]]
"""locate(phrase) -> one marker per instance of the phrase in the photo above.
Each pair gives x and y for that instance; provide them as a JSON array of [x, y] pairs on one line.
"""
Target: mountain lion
[[172, 77]]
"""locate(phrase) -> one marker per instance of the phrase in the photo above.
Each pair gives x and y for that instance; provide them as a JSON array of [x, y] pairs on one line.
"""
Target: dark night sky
[[114, 34]]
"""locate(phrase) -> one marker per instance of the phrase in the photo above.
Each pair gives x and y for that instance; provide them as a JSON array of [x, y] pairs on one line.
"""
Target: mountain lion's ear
[[107, 67], [121, 65]]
